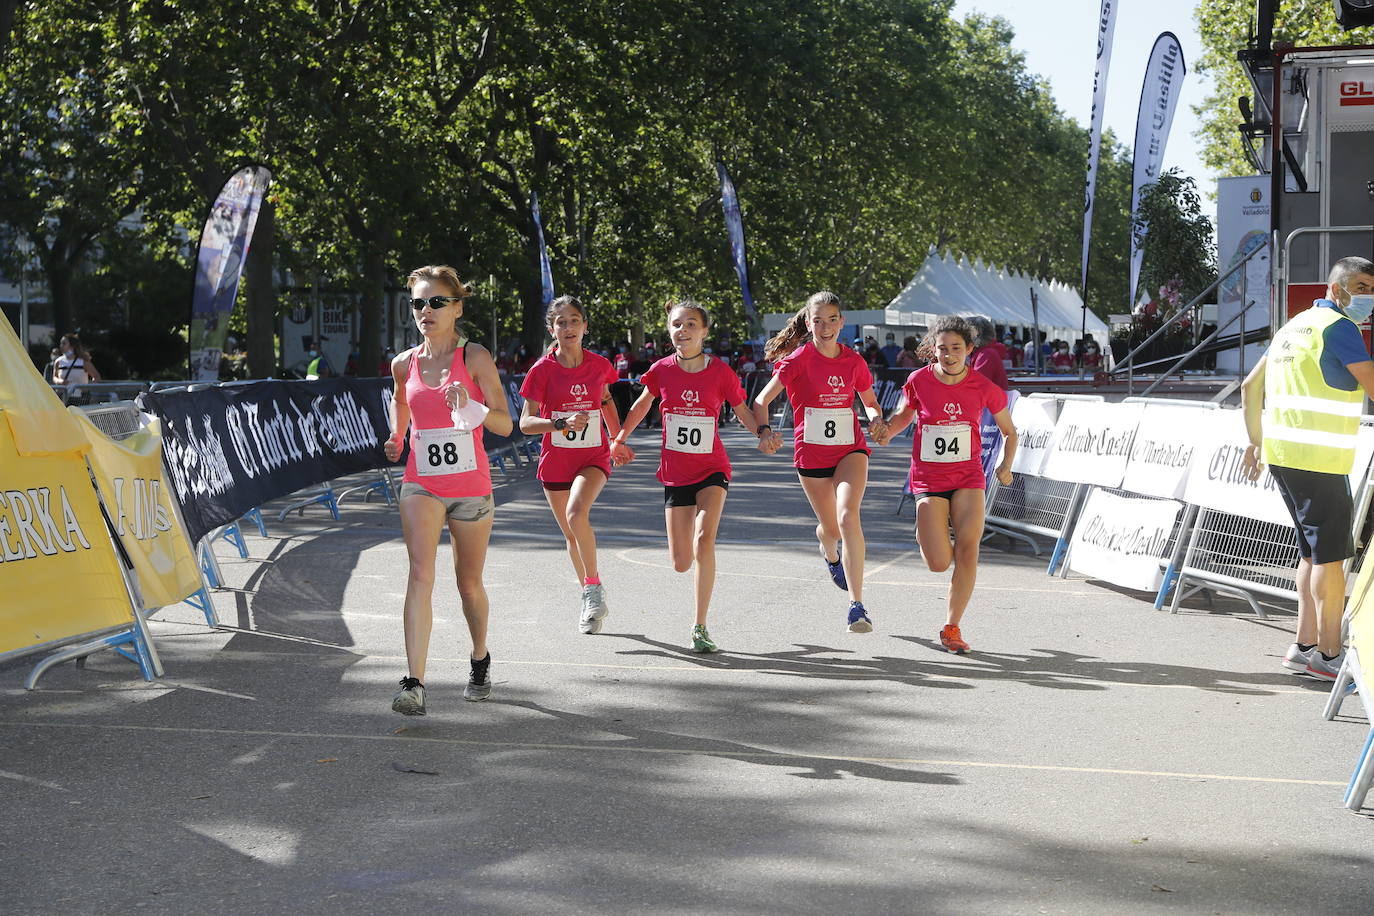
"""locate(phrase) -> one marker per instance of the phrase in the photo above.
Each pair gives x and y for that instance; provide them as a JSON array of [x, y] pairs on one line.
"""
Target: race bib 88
[[444, 451]]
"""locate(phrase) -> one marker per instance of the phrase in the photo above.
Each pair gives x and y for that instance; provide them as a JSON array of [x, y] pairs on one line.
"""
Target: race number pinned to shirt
[[444, 451], [946, 443], [828, 426], [588, 436], [690, 435]]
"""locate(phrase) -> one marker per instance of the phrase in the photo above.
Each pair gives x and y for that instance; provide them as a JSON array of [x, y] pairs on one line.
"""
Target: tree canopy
[[859, 133]]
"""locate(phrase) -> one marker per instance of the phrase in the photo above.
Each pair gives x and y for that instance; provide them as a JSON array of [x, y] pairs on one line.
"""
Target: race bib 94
[[946, 443]]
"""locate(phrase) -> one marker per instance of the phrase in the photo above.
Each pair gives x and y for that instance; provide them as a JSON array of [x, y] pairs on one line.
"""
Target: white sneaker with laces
[[1319, 667], [594, 609], [1296, 660]]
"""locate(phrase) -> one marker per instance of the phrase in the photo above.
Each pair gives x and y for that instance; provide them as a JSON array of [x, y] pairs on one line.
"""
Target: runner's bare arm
[[1009, 439], [1252, 406], [400, 408], [638, 411], [482, 368], [620, 452], [877, 427]]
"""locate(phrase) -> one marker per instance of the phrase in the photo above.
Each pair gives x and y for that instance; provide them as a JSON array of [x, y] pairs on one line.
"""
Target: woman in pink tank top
[[447, 390]]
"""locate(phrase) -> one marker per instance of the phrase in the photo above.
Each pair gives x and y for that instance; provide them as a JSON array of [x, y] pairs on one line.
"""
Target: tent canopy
[[946, 285]]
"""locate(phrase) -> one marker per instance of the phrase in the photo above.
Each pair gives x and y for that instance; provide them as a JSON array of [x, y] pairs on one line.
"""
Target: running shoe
[[859, 621], [594, 609], [1297, 660], [951, 639], [836, 569], [410, 699], [1322, 668], [479, 681], [701, 640]]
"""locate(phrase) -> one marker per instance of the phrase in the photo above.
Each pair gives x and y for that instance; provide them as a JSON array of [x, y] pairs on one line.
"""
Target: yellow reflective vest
[[1308, 424]]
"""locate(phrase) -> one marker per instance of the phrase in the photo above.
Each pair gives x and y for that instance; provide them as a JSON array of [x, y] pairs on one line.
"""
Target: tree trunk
[[59, 276], [262, 295], [637, 331], [370, 318]]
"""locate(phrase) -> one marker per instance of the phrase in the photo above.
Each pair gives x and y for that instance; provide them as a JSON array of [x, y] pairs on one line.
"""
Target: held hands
[[392, 448], [1003, 473], [621, 454], [878, 431], [770, 442], [1250, 463]]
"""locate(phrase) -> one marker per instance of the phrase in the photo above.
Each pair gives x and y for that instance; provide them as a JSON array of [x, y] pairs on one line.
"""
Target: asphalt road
[[1091, 756]]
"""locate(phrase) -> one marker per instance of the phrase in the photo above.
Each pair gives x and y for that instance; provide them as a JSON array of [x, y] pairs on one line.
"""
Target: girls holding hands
[[821, 378], [692, 387], [446, 391], [563, 391], [947, 399]]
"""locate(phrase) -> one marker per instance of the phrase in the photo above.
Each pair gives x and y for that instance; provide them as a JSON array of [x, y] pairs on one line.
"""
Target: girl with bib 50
[[562, 392], [822, 377], [695, 471], [447, 390], [947, 399]]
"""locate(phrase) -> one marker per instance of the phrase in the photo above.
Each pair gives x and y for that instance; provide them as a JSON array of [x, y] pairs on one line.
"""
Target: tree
[[1177, 238], [1226, 27]]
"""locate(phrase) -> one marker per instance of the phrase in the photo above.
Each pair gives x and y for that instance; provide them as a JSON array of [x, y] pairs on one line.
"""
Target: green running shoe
[[701, 640]]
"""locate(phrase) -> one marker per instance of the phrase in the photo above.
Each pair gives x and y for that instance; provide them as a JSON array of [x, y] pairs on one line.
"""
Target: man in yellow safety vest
[[1302, 405]]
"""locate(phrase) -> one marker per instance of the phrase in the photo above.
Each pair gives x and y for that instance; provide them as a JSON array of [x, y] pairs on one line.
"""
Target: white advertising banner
[[1092, 442], [1243, 226], [1217, 479], [1106, 29], [1122, 540], [1158, 100], [1165, 441], [1034, 422]]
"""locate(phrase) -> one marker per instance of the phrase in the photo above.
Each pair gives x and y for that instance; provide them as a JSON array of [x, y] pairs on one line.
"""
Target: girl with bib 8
[[446, 391], [822, 378], [692, 387], [562, 392], [947, 399]]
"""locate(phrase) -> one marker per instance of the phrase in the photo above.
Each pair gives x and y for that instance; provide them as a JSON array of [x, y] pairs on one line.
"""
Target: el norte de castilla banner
[[231, 449]]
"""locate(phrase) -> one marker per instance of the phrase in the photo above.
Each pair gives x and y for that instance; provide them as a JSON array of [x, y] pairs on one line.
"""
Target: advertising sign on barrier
[[139, 501], [1217, 479], [231, 449], [58, 570], [1165, 441], [1121, 540], [1092, 442], [1034, 422]]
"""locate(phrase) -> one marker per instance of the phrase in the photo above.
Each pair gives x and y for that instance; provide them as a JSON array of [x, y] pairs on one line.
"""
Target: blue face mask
[[1359, 308]]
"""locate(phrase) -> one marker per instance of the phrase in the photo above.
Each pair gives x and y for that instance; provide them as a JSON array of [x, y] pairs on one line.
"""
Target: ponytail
[[792, 336]]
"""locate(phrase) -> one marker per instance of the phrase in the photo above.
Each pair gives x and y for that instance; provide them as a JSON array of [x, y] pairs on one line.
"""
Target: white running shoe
[[1322, 669], [1296, 660], [594, 609]]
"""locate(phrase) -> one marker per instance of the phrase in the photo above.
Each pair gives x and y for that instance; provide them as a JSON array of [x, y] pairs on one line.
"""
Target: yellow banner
[[37, 421], [58, 571], [140, 505], [1362, 616]]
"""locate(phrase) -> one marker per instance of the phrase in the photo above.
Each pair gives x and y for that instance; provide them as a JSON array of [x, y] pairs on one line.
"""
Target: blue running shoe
[[836, 569], [858, 618]]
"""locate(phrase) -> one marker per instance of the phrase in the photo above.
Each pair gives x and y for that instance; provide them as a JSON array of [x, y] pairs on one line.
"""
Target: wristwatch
[[560, 424]]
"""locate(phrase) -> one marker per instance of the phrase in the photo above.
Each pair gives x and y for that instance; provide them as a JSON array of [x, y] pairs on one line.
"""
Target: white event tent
[[946, 285]]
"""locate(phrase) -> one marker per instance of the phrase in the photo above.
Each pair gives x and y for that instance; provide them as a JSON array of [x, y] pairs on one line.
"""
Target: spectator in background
[[907, 359], [891, 351], [384, 368], [354, 355], [1016, 349], [1092, 354], [1028, 353], [1061, 360], [874, 356], [988, 352], [622, 361], [73, 365]]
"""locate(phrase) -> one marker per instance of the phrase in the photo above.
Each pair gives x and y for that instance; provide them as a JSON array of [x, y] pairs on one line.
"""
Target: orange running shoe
[[951, 640]]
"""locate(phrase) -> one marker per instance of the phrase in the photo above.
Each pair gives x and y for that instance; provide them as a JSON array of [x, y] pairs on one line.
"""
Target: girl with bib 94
[[947, 399], [446, 391]]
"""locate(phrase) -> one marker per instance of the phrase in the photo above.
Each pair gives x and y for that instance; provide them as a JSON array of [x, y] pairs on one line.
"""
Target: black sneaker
[[479, 681], [410, 699]]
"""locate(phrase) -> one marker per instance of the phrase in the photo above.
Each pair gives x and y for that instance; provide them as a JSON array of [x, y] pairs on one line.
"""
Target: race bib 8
[[946, 443], [828, 426], [588, 436], [444, 451], [691, 435]]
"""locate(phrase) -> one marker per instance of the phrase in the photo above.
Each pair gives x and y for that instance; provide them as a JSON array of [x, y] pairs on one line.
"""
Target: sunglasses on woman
[[434, 302]]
